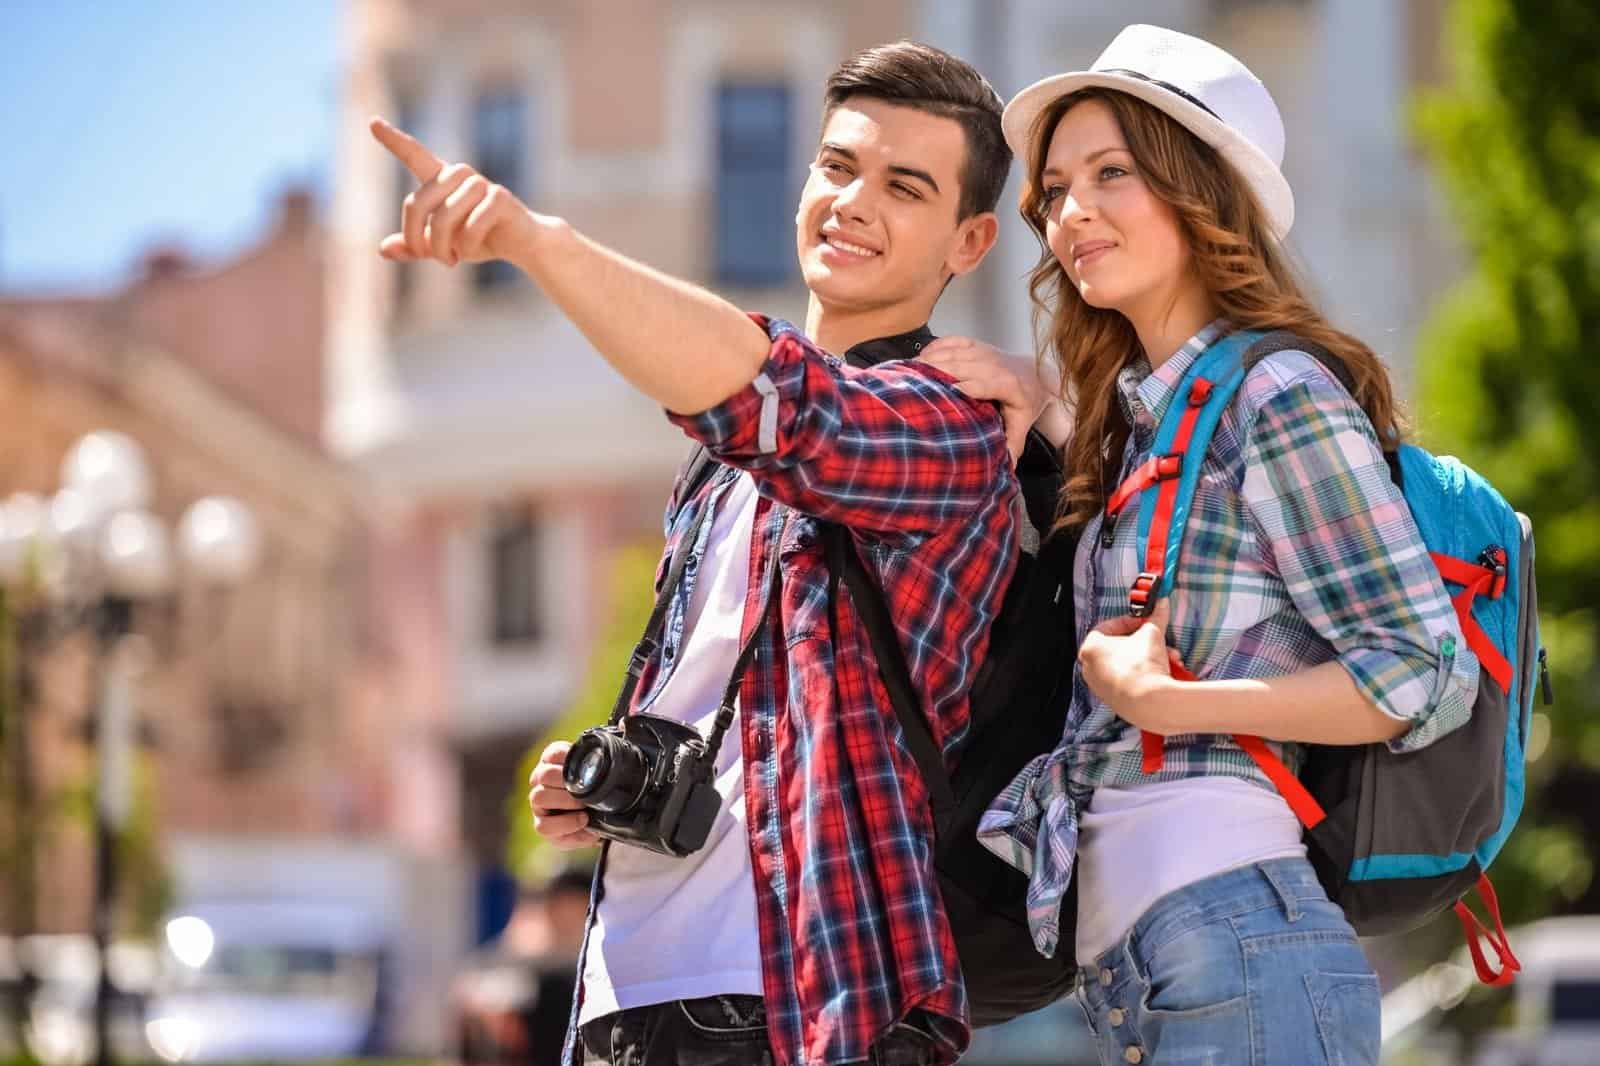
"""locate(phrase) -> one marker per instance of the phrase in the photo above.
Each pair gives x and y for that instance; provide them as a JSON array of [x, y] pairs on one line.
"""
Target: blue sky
[[127, 122]]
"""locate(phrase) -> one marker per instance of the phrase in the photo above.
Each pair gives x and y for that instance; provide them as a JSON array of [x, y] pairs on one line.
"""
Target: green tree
[[631, 598], [1510, 380]]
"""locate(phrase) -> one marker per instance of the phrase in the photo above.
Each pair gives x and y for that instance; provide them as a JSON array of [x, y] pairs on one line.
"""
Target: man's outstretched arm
[[684, 347]]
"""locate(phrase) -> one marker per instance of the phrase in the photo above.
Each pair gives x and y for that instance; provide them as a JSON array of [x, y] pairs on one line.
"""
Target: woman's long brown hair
[[1231, 252]]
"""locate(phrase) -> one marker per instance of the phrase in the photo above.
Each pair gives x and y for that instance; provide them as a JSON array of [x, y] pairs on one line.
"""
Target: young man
[[808, 928]]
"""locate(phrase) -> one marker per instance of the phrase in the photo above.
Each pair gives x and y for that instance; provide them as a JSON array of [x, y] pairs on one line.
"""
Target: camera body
[[646, 781]]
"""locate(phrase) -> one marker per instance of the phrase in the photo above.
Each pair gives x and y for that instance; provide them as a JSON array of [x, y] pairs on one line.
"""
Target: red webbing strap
[[1154, 744], [1476, 932], [1300, 800], [1141, 598], [1476, 581], [1154, 469]]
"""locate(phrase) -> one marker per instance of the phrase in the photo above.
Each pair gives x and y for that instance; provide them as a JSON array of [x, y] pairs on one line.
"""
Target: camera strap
[[747, 653], [650, 642]]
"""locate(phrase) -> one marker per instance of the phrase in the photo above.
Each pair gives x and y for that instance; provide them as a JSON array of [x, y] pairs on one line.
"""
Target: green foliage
[[631, 598], [1509, 376]]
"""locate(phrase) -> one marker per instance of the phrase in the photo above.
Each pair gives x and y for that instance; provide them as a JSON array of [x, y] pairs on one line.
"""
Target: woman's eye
[[1111, 170], [1052, 193]]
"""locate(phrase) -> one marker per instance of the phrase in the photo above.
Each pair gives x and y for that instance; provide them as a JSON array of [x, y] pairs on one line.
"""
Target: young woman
[[1304, 600]]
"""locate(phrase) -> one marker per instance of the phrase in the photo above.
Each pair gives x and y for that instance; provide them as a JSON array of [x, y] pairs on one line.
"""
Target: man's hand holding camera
[[558, 815]]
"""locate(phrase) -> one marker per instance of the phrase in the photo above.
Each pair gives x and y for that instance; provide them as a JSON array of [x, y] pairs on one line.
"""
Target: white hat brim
[[1263, 176]]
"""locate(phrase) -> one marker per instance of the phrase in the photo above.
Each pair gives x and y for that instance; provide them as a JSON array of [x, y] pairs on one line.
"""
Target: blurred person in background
[[514, 996], [805, 924]]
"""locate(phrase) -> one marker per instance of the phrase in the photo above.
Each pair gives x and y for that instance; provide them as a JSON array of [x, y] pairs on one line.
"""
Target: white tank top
[[1137, 843]]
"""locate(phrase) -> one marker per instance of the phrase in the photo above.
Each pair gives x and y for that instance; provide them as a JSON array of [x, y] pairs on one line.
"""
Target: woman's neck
[[1167, 327]]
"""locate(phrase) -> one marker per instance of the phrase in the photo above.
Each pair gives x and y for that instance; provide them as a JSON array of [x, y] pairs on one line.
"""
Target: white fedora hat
[[1205, 89]]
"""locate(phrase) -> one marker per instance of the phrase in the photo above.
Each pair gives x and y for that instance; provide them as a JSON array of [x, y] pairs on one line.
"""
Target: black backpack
[[1019, 705]]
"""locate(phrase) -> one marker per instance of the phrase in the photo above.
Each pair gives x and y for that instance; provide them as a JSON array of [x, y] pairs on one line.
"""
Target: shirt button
[[1133, 1054], [1107, 975], [1117, 1016]]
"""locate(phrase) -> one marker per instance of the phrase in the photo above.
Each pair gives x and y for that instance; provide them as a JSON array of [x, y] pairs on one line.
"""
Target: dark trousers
[[716, 1031]]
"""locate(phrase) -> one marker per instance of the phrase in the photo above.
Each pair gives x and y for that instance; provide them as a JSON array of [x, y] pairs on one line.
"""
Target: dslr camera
[[645, 781]]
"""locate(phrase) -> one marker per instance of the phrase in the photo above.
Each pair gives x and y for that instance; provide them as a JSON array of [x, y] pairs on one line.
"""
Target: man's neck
[[837, 331]]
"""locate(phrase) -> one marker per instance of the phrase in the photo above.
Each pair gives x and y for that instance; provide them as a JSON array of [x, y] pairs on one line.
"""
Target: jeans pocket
[[1347, 1008], [1196, 972]]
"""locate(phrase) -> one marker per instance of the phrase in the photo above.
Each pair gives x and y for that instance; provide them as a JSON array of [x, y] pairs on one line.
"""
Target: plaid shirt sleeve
[[894, 449], [1340, 535]]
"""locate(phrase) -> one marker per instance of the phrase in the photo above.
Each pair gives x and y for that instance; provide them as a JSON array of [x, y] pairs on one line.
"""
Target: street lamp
[[85, 558]]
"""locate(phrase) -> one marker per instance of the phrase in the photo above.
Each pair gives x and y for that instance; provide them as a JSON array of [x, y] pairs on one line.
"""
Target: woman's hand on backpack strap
[[984, 372], [1127, 664]]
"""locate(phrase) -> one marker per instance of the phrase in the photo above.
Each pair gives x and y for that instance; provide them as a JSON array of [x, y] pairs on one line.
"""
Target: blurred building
[[512, 461], [271, 758]]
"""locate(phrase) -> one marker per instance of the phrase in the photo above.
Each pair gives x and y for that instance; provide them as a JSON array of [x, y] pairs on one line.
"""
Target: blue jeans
[[1251, 967]]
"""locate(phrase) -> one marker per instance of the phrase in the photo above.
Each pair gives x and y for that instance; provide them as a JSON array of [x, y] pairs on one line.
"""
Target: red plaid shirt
[[852, 932]]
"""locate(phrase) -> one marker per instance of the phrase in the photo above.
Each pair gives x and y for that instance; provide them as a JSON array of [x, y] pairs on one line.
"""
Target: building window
[[516, 589], [754, 200], [499, 151]]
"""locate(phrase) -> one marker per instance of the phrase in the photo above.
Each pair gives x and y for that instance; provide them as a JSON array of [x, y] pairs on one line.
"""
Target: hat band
[[1167, 85]]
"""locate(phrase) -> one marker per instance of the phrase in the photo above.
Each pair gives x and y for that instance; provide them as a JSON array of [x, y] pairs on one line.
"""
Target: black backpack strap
[[1282, 341], [844, 562]]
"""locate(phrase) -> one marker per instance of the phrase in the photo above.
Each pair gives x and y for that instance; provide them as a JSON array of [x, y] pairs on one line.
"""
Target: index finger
[[423, 164]]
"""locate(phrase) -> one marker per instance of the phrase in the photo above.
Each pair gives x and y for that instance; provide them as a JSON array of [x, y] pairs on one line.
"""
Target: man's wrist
[[538, 241]]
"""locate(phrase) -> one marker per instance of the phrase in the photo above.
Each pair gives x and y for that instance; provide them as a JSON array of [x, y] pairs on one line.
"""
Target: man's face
[[877, 224]]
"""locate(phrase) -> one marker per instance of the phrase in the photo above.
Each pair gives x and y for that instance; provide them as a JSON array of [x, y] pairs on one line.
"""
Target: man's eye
[[905, 190], [832, 167]]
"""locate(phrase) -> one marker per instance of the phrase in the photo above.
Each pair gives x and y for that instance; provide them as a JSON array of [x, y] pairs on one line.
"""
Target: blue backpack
[[1395, 838]]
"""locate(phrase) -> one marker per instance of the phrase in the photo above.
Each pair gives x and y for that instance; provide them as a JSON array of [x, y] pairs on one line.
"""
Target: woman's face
[[1119, 244]]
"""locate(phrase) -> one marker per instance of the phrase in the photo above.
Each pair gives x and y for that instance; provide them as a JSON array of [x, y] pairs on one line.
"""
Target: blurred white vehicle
[[267, 980], [1549, 1016]]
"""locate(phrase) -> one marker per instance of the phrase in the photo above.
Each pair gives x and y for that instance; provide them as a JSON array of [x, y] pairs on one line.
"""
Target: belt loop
[[1291, 905]]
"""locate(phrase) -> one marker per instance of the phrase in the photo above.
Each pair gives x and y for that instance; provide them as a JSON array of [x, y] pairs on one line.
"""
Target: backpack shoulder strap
[[844, 563], [1165, 484], [1282, 340]]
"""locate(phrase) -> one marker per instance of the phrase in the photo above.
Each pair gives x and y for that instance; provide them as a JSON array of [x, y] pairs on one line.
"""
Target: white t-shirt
[[1137, 843], [670, 928]]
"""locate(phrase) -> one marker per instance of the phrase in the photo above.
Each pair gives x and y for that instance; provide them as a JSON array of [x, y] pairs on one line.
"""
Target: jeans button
[[1107, 975], [1117, 1016], [1133, 1053]]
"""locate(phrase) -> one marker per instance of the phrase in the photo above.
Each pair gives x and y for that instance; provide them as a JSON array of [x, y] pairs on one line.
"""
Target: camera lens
[[605, 771], [590, 767]]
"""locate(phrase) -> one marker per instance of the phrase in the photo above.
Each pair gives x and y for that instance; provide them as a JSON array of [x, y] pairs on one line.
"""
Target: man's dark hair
[[926, 79]]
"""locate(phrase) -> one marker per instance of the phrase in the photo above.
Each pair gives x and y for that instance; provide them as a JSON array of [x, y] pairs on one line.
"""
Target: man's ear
[[974, 237]]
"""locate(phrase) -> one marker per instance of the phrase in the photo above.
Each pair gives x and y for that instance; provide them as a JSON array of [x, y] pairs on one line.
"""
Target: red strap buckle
[[1169, 466], [1199, 392], [1494, 560], [1141, 597]]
